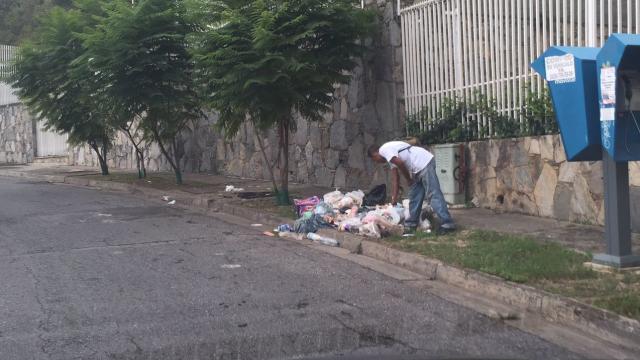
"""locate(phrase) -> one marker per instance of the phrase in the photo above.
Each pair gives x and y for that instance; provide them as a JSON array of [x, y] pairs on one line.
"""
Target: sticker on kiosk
[[608, 93]]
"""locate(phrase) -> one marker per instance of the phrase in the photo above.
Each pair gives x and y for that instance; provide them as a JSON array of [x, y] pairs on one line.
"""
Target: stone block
[[340, 179], [558, 153], [634, 173], [523, 181], [583, 207], [356, 156], [562, 201], [568, 171], [595, 179], [546, 148], [634, 196], [534, 147], [301, 136], [333, 159], [545, 191], [324, 177], [338, 136]]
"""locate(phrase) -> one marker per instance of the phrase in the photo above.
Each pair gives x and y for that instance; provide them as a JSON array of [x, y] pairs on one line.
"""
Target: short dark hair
[[373, 149]]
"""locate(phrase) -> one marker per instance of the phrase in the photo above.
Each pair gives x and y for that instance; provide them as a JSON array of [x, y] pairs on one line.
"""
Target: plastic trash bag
[[305, 205], [333, 198], [377, 196], [357, 196], [345, 202], [323, 209], [370, 230]]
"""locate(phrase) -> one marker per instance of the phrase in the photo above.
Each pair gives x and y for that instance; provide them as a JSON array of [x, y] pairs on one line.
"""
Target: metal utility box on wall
[[619, 96], [570, 73], [451, 167]]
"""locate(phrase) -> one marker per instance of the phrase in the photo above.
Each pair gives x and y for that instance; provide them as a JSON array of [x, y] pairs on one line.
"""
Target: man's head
[[374, 154]]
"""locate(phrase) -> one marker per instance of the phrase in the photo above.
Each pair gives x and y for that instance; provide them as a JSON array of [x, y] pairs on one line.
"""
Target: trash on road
[[231, 188], [256, 225], [165, 198], [231, 266], [172, 202], [269, 233], [322, 239]]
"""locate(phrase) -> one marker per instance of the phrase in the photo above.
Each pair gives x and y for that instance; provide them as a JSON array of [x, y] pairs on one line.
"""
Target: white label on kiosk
[[608, 86], [607, 114], [561, 69]]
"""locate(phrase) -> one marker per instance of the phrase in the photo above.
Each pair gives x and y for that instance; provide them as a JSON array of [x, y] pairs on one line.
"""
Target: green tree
[[141, 54], [19, 18], [53, 87], [265, 61]]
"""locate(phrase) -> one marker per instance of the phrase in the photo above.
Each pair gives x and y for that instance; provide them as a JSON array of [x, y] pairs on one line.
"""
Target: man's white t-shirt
[[415, 157]]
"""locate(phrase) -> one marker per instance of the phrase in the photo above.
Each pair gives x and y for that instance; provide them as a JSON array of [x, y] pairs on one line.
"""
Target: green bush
[[458, 120]]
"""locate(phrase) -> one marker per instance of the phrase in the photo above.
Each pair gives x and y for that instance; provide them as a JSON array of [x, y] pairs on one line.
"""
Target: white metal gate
[[6, 92], [49, 143], [459, 48]]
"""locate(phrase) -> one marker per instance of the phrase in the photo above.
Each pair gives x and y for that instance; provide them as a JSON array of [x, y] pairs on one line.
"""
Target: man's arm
[[395, 185], [402, 167]]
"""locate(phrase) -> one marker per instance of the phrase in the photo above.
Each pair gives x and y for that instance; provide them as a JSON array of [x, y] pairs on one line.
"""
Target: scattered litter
[[230, 266], [410, 235], [503, 315], [231, 188], [104, 215], [323, 240], [165, 198], [283, 228], [291, 235], [149, 181], [219, 254], [268, 233], [305, 205], [256, 225], [172, 202]]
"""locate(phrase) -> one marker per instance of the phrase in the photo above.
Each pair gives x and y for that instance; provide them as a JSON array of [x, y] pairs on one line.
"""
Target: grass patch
[[511, 257], [544, 265]]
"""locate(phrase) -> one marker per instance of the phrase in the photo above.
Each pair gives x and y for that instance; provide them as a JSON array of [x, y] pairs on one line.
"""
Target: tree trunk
[[104, 167], [283, 195], [176, 160], [266, 162], [174, 164], [142, 171]]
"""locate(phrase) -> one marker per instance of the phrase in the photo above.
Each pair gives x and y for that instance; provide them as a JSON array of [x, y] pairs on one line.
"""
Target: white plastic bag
[[333, 198], [357, 196], [345, 202], [370, 230]]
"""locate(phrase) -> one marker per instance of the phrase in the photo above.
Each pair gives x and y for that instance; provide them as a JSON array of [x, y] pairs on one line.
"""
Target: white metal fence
[[461, 48], [7, 53]]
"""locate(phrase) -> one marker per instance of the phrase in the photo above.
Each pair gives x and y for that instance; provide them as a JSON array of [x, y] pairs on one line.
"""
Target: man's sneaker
[[447, 227], [409, 231]]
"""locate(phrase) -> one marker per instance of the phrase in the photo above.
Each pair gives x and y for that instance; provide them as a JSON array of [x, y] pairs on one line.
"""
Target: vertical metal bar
[[405, 46], [419, 58], [610, 19], [580, 23], [619, 15], [629, 23], [425, 62]]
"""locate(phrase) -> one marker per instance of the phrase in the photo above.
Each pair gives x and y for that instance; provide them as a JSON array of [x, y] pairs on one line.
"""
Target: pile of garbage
[[354, 212]]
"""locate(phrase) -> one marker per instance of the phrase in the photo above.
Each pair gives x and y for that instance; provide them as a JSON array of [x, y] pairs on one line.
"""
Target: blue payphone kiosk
[[596, 97], [570, 73], [619, 96]]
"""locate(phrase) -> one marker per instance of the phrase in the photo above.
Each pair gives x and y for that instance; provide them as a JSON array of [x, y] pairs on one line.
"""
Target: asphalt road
[[92, 275]]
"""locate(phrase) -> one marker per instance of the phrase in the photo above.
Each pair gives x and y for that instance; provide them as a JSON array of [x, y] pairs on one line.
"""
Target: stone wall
[[17, 134], [197, 146], [532, 176]]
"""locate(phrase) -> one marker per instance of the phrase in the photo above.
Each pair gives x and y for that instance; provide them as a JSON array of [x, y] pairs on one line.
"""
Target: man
[[418, 167]]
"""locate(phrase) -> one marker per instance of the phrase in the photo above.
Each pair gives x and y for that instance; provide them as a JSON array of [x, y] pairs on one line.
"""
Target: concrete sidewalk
[[584, 238]]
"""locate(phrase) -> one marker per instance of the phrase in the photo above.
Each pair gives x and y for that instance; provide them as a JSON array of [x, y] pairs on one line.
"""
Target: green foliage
[[19, 18], [141, 55], [458, 120], [62, 94], [265, 60]]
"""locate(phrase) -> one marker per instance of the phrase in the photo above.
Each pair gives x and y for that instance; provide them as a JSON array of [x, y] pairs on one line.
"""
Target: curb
[[601, 323]]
